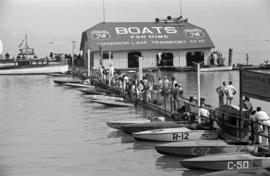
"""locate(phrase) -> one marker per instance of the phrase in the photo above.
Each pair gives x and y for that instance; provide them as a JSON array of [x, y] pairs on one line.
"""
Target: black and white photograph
[[134, 87]]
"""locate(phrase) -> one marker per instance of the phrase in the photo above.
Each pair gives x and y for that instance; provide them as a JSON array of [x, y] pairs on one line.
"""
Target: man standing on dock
[[221, 90], [230, 93], [111, 73]]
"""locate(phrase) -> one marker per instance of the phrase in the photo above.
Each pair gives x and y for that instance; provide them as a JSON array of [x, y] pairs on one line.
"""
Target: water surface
[[47, 129]]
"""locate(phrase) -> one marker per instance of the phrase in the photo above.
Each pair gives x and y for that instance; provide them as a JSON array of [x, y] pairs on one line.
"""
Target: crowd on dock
[[166, 93]]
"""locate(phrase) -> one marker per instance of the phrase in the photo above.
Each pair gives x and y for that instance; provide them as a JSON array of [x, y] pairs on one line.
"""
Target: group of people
[[145, 89], [260, 120], [226, 92], [106, 75]]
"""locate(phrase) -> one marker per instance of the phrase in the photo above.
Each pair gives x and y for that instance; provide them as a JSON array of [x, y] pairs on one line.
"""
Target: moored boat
[[245, 172], [33, 69], [113, 103], [105, 97], [133, 128], [203, 147], [62, 81], [28, 63], [176, 134], [90, 91], [59, 75], [227, 161], [120, 123], [79, 85]]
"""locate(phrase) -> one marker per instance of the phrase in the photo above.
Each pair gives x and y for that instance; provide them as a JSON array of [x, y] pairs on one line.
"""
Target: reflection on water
[[48, 129], [169, 162]]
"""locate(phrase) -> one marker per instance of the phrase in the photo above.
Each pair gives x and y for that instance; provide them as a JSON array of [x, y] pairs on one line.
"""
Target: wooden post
[[268, 139], [171, 104], [165, 103], [88, 62], [140, 68], [199, 91], [230, 57], [240, 103], [110, 64], [73, 48]]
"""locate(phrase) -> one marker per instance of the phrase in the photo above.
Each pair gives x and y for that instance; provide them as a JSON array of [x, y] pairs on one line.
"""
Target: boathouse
[[174, 44]]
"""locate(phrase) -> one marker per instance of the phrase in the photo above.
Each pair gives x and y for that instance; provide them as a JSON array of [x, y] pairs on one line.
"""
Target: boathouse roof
[[122, 36]]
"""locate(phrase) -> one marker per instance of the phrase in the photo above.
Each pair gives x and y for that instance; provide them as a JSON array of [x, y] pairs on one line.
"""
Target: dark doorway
[[196, 57], [133, 59], [165, 59]]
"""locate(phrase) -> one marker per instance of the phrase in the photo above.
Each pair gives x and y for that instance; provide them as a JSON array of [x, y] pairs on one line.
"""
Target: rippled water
[[47, 129]]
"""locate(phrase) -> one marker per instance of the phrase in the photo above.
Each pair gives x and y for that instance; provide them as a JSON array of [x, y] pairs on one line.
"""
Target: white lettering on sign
[[157, 29], [114, 43], [139, 43], [157, 42], [237, 165], [145, 30], [134, 30], [170, 30], [194, 33], [100, 35], [121, 30]]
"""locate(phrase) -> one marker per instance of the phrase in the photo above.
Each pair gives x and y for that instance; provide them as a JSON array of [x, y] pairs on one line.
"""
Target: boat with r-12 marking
[[176, 135]]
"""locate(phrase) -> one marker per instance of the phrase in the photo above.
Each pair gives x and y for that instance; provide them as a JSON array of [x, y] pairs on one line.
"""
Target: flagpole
[[103, 4], [26, 46], [181, 10]]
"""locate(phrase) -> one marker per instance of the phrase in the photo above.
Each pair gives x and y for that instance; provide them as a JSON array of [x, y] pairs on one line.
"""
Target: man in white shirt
[[263, 118], [231, 91], [111, 73]]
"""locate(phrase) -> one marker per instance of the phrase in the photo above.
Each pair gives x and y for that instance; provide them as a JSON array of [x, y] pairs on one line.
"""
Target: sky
[[51, 25]]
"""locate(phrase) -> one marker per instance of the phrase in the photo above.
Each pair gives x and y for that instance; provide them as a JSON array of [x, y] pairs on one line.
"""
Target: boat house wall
[[182, 40], [120, 58]]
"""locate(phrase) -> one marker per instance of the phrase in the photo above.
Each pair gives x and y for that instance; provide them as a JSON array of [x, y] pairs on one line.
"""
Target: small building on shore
[[167, 43]]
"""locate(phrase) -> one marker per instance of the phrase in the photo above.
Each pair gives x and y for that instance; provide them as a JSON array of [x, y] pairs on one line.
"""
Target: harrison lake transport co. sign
[[156, 35], [256, 84]]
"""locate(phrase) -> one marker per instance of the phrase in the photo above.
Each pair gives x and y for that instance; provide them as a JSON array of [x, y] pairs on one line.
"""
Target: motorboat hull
[[134, 128], [120, 123], [35, 70], [176, 135], [228, 161], [113, 103], [202, 147]]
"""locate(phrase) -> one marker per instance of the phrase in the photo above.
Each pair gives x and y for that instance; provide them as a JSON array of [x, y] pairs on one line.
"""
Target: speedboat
[[176, 134], [120, 123], [133, 128], [228, 161], [203, 147]]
